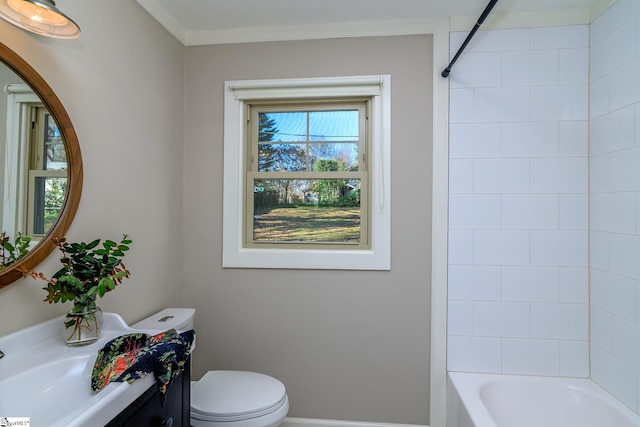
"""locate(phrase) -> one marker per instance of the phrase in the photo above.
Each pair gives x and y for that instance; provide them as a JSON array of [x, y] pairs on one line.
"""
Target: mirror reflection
[[34, 167], [40, 164]]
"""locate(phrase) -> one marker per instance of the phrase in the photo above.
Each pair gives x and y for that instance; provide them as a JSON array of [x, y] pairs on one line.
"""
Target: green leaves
[[12, 252], [87, 269]]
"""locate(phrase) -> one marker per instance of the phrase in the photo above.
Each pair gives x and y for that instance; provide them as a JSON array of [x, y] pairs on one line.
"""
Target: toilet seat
[[222, 396]]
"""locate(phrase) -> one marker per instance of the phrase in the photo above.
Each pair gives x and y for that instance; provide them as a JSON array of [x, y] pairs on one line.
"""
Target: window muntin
[[47, 180], [307, 175], [237, 95]]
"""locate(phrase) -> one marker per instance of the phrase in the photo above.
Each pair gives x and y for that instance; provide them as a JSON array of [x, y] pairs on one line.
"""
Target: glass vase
[[83, 323]]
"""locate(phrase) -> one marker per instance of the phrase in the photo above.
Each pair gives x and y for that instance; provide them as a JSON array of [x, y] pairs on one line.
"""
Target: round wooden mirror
[[42, 244]]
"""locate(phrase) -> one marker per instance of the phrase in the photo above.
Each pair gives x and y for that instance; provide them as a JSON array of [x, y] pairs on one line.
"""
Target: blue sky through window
[[340, 125]]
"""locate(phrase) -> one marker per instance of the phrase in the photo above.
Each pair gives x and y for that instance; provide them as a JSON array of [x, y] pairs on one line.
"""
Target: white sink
[[49, 382]]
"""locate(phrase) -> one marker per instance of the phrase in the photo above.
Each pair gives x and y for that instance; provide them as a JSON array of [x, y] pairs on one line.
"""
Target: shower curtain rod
[[487, 10]]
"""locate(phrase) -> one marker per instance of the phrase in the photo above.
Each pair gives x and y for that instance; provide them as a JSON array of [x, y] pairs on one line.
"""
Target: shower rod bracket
[[487, 11]]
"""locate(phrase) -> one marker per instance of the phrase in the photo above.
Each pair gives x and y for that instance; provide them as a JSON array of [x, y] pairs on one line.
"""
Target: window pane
[[345, 156], [322, 210], [334, 125], [48, 200], [282, 157], [55, 157], [282, 127]]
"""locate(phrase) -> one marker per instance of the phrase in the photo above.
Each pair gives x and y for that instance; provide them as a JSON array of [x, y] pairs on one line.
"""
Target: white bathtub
[[490, 400]]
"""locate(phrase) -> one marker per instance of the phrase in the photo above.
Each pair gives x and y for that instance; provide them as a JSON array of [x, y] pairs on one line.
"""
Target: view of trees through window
[[50, 182], [309, 175]]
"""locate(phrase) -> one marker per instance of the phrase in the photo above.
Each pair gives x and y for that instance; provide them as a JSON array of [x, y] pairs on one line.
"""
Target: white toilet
[[225, 398]]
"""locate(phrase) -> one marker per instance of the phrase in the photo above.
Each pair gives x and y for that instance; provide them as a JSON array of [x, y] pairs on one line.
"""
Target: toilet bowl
[[226, 398], [238, 399]]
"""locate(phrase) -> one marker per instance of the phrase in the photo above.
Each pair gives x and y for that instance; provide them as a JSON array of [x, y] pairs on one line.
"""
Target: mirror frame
[[45, 246]]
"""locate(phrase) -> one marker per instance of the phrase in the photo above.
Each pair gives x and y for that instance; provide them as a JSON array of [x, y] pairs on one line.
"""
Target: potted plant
[[88, 271]]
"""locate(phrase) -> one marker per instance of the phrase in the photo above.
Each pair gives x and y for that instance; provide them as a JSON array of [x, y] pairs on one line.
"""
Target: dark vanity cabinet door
[[146, 411]]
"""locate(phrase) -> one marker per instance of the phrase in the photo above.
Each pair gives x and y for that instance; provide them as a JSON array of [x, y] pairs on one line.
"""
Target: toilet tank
[[180, 319]]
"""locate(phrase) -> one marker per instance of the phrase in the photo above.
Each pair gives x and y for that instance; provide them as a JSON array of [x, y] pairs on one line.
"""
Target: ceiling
[[227, 21]]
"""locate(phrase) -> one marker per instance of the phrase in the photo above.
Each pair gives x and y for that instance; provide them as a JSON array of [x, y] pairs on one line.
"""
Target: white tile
[[614, 294], [530, 211], [624, 255], [574, 359], [530, 357], [501, 319], [574, 211], [495, 247], [600, 325], [530, 68], [600, 27], [559, 248], [475, 140], [600, 97], [637, 212], [625, 341], [638, 391], [637, 37], [637, 119], [493, 40], [625, 10], [530, 139], [625, 85], [574, 66], [456, 38], [573, 284], [625, 173], [615, 376], [460, 247], [613, 212], [501, 176], [599, 250], [623, 128], [509, 104], [468, 211], [573, 138], [614, 50], [559, 175], [563, 102], [530, 284], [560, 321], [460, 318], [482, 69], [600, 174], [638, 302], [560, 37], [460, 176], [614, 131], [461, 105], [486, 354], [474, 282]]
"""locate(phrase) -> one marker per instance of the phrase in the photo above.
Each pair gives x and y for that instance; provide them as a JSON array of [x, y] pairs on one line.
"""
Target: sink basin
[[65, 377], [49, 382]]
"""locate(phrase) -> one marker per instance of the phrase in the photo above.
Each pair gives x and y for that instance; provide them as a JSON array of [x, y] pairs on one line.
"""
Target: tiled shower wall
[[518, 213], [615, 201]]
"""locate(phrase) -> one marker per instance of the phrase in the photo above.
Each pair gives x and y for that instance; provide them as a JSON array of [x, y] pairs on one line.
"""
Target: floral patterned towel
[[133, 356]]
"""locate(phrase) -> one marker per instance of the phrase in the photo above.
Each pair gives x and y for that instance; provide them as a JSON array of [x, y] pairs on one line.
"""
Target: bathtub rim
[[469, 396]]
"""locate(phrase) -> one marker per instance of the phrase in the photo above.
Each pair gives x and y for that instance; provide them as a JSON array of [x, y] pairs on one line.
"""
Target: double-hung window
[[307, 173]]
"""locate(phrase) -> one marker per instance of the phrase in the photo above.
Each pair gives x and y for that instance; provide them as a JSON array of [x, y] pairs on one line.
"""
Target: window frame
[[362, 174], [237, 95]]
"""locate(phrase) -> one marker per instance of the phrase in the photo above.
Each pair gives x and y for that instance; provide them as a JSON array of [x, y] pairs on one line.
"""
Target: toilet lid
[[235, 395]]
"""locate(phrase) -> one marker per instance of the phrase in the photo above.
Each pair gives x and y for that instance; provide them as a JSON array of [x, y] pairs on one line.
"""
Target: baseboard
[[311, 422]]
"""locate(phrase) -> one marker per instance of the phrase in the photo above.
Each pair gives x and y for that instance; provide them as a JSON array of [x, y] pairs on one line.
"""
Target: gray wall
[[123, 89], [348, 345]]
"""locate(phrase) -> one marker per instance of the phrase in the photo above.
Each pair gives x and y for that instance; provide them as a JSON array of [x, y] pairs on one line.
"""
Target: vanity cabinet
[[146, 410]]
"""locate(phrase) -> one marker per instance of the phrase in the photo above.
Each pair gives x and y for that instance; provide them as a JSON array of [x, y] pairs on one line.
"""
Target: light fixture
[[40, 17]]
